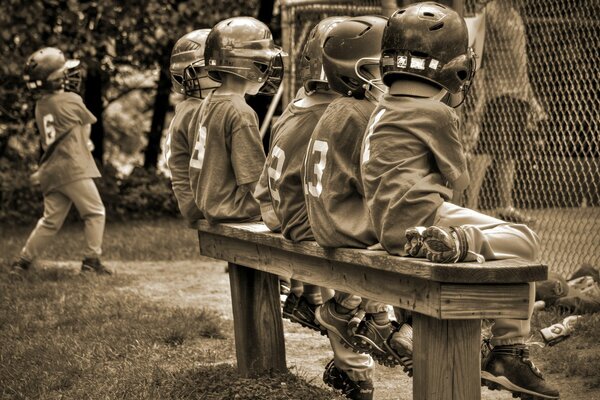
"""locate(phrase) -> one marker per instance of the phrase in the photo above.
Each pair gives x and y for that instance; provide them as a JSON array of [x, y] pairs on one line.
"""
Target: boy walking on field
[[67, 167], [227, 155], [412, 161]]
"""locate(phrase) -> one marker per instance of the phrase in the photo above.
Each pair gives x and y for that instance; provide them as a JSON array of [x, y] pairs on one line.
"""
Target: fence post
[[259, 343]]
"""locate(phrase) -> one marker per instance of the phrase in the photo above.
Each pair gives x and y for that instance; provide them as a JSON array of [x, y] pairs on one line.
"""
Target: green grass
[[72, 336], [162, 239], [578, 355]]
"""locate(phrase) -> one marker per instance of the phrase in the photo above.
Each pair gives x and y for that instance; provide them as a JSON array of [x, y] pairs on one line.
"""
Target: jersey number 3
[[49, 131], [320, 147], [199, 148]]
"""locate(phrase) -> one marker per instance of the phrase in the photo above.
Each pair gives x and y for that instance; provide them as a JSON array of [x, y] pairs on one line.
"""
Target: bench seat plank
[[497, 271], [440, 300]]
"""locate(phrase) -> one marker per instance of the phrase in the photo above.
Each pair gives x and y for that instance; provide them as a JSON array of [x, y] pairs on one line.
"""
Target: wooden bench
[[448, 300]]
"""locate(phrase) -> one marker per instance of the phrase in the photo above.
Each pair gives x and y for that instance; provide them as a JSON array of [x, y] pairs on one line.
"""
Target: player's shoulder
[[58, 101], [348, 109], [236, 107], [189, 104]]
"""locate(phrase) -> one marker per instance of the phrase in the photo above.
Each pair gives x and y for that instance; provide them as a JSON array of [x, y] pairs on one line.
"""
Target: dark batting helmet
[[345, 45], [188, 72], [48, 70], [311, 62], [243, 46], [428, 41]]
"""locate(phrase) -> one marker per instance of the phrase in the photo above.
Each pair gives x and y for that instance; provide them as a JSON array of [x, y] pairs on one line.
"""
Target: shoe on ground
[[401, 347], [19, 267], [414, 241], [445, 245], [289, 305], [511, 214], [510, 368], [328, 318], [339, 380], [371, 338], [299, 310], [94, 265]]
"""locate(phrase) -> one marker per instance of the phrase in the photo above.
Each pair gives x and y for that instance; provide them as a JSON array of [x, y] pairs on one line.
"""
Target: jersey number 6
[[49, 131]]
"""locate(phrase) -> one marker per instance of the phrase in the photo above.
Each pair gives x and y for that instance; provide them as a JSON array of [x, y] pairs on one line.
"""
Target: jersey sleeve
[[77, 111], [263, 196], [449, 154], [178, 160], [247, 154], [380, 171]]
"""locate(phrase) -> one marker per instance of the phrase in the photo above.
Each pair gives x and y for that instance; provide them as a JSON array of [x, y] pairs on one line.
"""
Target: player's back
[[227, 156], [180, 142], [291, 135], [60, 118], [335, 201], [411, 155]]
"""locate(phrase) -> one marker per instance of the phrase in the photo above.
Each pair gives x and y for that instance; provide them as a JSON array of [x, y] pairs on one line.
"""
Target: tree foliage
[[130, 33]]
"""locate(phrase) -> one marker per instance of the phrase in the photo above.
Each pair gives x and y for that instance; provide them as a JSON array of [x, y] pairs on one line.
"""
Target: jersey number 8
[[197, 158]]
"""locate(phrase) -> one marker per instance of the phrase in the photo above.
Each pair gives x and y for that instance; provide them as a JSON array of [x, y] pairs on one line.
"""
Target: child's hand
[[90, 145], [35, 178]]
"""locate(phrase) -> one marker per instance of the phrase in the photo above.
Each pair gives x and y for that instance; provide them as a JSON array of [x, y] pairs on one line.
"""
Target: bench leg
[[446, 359], [259, 342]]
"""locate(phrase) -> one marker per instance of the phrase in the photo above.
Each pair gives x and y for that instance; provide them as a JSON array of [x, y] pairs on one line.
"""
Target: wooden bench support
[[258, 326], [446, 359], [448, 301]]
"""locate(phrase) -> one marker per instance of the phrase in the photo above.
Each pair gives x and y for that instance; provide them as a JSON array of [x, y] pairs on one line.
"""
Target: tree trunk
[[261, 103], [94, 87], [161, 106]]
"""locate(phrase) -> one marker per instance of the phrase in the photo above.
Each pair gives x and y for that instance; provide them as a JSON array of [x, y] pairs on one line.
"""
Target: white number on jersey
[[320, 147], [49, 131], [199, 147], [277, 156], [168, 143], [367, 143]]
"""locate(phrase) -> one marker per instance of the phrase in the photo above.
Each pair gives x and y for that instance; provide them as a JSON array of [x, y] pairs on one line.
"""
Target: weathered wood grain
[[500, 271], [259, 343], [447, 300], [446, 359]]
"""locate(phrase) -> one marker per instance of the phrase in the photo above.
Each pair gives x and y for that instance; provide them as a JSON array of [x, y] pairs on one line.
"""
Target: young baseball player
[[348, 372], [189, 78], [412, 160], [67, 167], [289, 140], [335, 203], [227, 156]]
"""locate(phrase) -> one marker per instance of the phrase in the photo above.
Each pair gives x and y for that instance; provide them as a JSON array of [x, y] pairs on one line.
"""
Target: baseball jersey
[[337, 210], [261, 192], [180, 140], [227, 157], [291, 135], [411, 160], [60, 118]]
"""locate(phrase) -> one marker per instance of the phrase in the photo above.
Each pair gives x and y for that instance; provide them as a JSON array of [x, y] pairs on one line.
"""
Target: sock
[[381, 318], [340, 309]]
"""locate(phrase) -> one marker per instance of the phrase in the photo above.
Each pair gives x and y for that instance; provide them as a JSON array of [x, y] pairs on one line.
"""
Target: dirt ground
[[203, 283]]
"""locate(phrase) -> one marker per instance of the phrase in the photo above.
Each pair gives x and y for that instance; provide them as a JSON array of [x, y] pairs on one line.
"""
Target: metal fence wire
[[531, 122]]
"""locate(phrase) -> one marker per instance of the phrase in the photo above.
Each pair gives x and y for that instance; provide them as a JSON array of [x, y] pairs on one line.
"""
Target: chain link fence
[[531, 123]]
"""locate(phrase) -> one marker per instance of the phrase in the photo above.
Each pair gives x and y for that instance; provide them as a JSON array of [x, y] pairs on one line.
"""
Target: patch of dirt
[[204, 283]]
